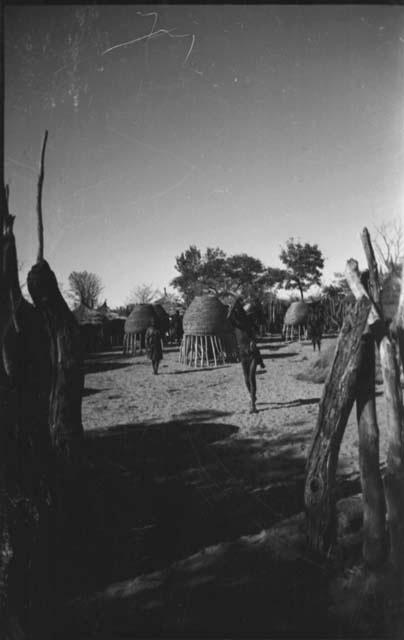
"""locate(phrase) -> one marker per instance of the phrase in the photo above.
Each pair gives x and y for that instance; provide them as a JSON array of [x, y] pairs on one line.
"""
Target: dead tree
[[66, 352]]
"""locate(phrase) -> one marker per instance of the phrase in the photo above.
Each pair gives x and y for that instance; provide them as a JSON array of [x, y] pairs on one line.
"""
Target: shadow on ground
[[98, 366], [272, 356], [169, 512]]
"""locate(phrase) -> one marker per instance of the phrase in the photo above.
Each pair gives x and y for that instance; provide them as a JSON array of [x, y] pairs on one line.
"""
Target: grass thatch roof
[[140, 318], [109, 314], [206, 315], [297, 313], [169, 305], [85, 315]]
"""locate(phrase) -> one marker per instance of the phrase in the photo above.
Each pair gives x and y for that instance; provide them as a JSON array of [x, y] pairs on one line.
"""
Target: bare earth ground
[[193, 523]]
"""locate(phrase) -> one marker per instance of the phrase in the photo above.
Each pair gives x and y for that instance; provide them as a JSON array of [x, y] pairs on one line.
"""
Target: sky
[[231, 126]]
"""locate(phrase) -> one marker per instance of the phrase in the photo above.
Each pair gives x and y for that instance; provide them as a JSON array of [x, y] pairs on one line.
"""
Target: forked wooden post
[[394, 476]]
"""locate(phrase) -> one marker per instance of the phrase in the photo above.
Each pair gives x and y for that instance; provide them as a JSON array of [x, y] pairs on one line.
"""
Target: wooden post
[[213, 350], [374, 505], [335, 406]]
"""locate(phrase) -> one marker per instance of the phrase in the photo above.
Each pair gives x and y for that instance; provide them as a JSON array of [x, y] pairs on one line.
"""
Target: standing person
[[250, 356], [154, 347]]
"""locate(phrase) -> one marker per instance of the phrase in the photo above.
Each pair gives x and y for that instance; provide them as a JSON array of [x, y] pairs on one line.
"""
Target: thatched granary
[[295, 320], [113, 328], [208, 338], [136, 324], [91, 324]]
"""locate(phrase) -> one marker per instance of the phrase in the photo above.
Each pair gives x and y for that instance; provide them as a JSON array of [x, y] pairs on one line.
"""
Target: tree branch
[[39, 200]]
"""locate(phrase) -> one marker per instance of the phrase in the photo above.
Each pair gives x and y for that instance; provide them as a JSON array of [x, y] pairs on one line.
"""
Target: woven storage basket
[[390, 295], [297, 313], [163, 317], [85, 315], [206, 315], [140, 318]]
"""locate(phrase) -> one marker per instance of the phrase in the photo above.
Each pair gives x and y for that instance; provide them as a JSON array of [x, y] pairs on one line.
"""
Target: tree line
[[243, 275]]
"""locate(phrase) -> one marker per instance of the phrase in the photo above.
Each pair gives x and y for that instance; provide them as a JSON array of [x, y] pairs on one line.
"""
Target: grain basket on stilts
[[208, 338], [136, 324], [294, 324]]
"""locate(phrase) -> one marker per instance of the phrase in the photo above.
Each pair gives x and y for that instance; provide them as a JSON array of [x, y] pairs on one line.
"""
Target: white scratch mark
[[159, 194], [190, 49], [155, 34], [21, 164]]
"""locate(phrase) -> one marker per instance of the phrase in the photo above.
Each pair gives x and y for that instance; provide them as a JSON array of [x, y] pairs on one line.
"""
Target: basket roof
[[206, 315], [169, 305], [297, 313], [85, 315], [139, 318]]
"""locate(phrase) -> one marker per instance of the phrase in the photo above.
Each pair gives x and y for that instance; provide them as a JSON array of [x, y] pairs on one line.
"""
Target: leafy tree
[[189, 267], [85, 288], [303, 263], [214, 272], [144, 293]]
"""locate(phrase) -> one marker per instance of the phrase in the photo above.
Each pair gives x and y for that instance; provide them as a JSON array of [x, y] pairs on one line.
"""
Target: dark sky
[[232, 126]]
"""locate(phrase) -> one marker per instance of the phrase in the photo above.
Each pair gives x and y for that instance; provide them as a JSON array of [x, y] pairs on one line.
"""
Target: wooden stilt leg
[[196, 351], [191, 354], [220, 348], [217, 350], [213, 350]]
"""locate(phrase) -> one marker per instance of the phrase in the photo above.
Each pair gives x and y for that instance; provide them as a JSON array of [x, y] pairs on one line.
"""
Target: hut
[[294, 323], [113, 330], [208, 338], [91, 324], [135, 327]]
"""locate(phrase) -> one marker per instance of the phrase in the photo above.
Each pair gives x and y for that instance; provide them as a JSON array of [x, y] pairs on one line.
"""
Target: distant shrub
[[318, 369]]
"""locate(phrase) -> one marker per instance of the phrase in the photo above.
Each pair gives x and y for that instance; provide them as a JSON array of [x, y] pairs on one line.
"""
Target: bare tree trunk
[[65, 423], [335, 406], [39, 199], [374, 505]]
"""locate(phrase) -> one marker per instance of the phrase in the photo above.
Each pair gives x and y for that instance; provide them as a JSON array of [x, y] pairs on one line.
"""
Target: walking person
[[154, 346], [250, 356]]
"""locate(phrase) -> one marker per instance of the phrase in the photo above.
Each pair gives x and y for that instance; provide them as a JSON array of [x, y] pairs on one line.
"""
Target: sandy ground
[[196, 505], [127, 392]]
